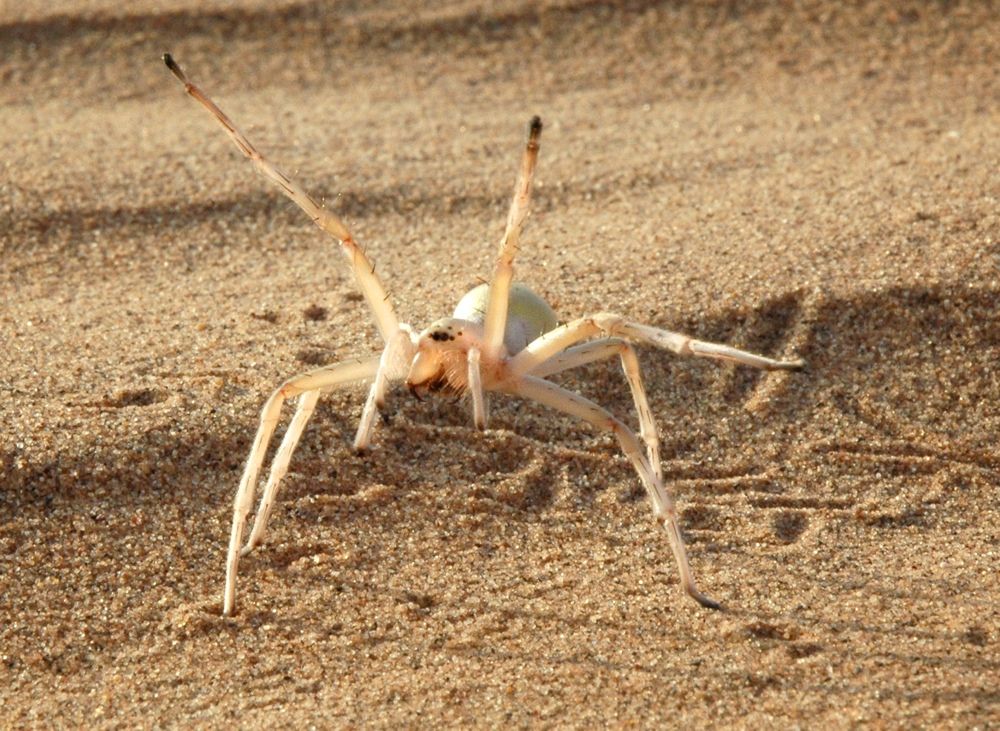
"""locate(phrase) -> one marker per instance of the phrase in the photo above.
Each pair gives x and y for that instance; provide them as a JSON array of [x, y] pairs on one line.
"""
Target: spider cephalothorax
[[501, 337], [440, 364]]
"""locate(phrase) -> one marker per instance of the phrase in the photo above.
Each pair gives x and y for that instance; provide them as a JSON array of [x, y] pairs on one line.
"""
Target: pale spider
[[501, 337]]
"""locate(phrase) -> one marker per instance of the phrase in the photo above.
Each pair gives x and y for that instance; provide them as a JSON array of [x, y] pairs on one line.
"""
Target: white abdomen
[[528, 315]]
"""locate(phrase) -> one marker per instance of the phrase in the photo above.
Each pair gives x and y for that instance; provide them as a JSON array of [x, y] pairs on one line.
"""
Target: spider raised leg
[[501, 337]]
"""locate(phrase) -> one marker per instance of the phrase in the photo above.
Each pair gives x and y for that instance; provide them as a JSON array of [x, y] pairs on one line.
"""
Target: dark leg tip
[[702, 599], [535, 127], [708, 603], [174, 68]]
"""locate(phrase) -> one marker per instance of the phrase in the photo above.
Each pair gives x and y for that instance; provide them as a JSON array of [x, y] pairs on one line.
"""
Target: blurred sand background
[[791, 178]]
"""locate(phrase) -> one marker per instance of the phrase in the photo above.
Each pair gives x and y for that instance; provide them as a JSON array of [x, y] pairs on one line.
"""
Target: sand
[[809, 181]]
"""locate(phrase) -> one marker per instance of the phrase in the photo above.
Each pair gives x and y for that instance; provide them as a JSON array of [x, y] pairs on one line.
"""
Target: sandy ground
[[795, 181]]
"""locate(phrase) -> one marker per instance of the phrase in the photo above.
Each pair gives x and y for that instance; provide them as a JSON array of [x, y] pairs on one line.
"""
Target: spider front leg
[[664, 512], [364, 271], [309, 384], [495, 321]]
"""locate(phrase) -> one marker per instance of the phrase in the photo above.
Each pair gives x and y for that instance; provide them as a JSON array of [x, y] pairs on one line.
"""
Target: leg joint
[[607, 322], [625, 348]]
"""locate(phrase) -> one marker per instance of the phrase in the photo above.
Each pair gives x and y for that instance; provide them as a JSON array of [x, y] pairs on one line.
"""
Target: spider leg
[[314, 380], [363, 436], [604, 323], [279, 467], [608, 348], [664, 512], [392, 366], [364, 271], [495, 321], [475, 385]]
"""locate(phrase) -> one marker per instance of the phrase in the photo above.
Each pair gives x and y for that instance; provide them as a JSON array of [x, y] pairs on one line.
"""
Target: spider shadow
[[501, 466]]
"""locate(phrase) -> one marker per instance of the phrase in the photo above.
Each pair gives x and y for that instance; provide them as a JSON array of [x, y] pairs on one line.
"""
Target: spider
[[501, 337]]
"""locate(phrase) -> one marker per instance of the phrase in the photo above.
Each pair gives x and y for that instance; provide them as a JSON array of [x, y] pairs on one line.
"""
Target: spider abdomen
[[528, 315]]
